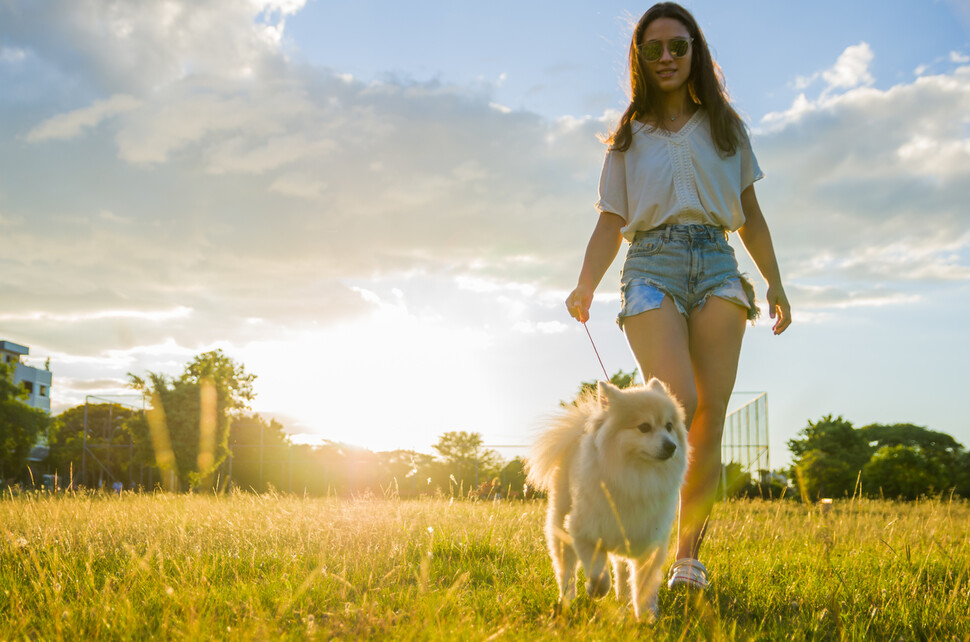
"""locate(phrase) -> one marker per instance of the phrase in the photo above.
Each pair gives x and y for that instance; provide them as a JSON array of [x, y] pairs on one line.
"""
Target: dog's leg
[[621, 578], [647, 580], [567, 583], [593, 558], [559, 542]]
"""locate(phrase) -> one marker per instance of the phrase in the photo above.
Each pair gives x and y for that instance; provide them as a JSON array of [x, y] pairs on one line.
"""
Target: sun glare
[[386, 383]]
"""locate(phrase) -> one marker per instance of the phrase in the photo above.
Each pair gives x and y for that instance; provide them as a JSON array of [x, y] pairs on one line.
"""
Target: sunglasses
[[652, 50]]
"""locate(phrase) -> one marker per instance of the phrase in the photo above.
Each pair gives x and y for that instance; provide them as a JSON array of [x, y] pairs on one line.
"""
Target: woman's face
[[670, 73]]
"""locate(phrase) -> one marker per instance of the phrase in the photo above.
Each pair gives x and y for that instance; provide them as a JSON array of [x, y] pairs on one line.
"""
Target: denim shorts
[[688, 263]]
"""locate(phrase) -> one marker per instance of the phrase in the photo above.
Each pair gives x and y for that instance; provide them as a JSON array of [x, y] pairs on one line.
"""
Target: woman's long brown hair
[[705, 86]]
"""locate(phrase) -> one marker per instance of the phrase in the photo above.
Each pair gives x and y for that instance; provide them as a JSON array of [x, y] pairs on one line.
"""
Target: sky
[[378, 208]]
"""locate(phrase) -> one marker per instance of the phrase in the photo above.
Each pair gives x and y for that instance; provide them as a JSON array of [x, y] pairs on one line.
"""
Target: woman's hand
[[578, 302], [778, 308]]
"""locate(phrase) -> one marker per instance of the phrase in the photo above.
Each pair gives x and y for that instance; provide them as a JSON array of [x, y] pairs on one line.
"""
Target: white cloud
[[12, 55], [869, 187], [959, 58], [124, 46], [224, 180], [71, 124], [851, 69], [148, 315]]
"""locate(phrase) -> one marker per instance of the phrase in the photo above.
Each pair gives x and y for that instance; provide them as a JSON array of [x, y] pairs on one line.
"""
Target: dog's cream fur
[[613, 467]]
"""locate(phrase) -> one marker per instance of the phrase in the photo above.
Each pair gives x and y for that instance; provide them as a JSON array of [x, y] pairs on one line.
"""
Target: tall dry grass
[[257, 567]]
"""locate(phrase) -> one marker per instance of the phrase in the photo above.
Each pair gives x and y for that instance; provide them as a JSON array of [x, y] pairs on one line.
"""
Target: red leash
[[597, 352]]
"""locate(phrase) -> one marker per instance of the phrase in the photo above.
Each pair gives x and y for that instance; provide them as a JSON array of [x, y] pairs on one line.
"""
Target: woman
[[677, 178]]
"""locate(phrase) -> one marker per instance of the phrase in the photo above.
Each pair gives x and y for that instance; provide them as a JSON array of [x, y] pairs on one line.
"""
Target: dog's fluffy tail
[[556, 446]]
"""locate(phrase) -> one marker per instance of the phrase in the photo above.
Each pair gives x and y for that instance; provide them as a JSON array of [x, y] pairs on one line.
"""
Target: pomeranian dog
[[613, 466]]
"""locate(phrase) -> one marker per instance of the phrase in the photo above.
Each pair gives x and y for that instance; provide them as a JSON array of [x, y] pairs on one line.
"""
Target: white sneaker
[[688, 572]]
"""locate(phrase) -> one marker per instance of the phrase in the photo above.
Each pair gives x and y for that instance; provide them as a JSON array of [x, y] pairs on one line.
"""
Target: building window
[[43, 391], [29, 387]]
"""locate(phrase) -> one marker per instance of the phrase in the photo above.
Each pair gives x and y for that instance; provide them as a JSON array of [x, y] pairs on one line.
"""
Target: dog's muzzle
[[668, 450]]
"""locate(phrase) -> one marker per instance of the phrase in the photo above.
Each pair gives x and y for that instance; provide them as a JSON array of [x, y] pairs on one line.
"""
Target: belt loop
[[668, 232]]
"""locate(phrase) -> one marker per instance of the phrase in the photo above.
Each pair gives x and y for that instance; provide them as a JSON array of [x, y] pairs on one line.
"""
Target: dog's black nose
[[668, 449]]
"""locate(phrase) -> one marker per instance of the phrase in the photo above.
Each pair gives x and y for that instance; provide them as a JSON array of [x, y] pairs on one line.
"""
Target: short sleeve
[[613, 191], [750, 170]]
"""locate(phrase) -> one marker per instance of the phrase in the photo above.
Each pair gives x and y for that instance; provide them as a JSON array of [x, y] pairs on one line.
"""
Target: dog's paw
[[563, 604], [648, 612]]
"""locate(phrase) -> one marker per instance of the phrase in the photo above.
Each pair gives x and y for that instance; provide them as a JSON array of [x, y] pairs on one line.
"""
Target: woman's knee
[[709, 418]]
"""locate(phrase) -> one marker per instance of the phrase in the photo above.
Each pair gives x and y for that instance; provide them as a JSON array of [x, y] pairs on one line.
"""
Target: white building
[[35, 381]]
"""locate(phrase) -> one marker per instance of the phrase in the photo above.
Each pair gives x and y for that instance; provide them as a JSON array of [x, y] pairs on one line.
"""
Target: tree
[[733, 480], [903, 472], [828, 457], [187, 423], [260, 453], [20, 425], [822, 474], [108, 437], [940, 450], [466, 460], [406, 471], [513, 478], [620, 380], [962, 478]]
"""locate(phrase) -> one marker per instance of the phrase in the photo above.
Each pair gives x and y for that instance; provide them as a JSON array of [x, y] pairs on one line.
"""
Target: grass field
[[282, 567]]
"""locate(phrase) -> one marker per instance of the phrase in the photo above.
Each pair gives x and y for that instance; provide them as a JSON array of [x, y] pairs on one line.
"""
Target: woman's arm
[[757, 241], [600, 252]]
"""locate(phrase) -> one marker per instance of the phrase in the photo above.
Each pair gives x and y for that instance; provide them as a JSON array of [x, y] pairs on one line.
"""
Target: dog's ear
[[658, 386], [606, 392]]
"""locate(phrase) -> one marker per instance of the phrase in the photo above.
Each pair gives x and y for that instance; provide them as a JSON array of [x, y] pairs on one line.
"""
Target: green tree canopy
[[465, 458], [879, 435], [903, 472], [833, 436], [828, 457], [941, 453], [897, 460], [620, 380], [20, 425], [108, 424], [513, 477], [188, 420]]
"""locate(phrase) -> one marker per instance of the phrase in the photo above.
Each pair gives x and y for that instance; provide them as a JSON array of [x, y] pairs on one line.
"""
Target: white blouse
[[676, 177]]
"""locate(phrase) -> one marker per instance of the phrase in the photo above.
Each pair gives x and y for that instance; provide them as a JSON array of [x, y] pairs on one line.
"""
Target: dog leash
[[593, 343]]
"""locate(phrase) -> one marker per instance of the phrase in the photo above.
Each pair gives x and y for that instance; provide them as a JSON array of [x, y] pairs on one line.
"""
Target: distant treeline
[[899, 461], [196, 434], [260, 457]]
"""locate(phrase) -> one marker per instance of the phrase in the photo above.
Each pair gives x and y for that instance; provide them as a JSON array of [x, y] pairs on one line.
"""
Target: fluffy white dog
[[613, 467]]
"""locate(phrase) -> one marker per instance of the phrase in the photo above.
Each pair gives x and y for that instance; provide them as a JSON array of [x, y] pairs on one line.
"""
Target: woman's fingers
[[577, 304], [780, 310]]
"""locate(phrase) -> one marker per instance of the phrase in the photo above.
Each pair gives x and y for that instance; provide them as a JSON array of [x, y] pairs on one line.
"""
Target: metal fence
[[745, 438], [98, 452]]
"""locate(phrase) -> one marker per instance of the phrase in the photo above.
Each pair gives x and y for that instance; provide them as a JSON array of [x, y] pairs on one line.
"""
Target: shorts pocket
[[646, 246], [720, 244]]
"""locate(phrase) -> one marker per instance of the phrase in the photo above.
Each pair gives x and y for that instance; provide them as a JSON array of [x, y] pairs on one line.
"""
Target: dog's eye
[[644, 427], [670, 426]]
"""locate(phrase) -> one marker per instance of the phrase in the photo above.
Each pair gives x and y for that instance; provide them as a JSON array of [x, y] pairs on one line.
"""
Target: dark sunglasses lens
[[651, 50], [678, 47]]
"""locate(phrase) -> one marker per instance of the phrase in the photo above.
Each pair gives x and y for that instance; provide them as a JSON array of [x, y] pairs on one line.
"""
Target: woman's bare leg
[[715, 334], [660, 344]]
